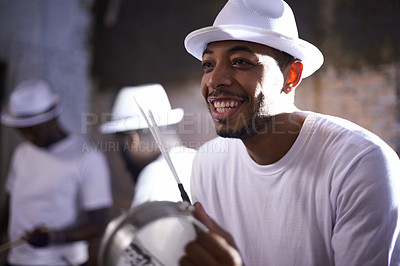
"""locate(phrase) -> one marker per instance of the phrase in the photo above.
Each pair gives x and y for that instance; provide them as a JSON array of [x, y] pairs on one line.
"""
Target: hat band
[[23, 116]]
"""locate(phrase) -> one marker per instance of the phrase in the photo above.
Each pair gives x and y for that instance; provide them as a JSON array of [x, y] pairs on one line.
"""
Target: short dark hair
[[283, 58]]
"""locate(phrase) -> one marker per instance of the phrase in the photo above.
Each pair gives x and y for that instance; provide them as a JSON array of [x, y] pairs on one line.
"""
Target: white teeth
[[222, 105], [223, 110]]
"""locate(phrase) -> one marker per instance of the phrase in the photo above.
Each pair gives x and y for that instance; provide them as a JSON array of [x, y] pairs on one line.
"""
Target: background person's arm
[[92, 226]]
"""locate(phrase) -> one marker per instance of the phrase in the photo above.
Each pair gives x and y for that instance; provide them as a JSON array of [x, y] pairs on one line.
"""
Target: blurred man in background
[[150, 172], [59, 188]]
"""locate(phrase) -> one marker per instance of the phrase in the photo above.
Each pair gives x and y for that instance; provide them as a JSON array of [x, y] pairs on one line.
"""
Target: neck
[[271, 146], [56, 134]]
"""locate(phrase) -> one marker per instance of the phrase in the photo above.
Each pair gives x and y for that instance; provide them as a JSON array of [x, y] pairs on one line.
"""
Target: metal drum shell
[[121, 231]]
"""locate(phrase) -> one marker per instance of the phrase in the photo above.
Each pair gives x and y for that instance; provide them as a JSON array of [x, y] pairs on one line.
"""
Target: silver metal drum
[[154, 233]]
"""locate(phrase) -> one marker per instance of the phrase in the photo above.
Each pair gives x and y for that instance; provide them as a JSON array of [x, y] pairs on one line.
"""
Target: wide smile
[[222, 109]]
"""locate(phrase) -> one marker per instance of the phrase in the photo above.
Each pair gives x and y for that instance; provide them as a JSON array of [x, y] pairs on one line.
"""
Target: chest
[[42, 174]]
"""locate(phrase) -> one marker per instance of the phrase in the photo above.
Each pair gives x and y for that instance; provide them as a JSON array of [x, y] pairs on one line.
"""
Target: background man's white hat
[[31, 103], [126, 116], [267, 22]]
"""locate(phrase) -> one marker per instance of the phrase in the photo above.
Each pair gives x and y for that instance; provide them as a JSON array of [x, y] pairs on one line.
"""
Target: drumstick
[[155, 131], [11, 244]]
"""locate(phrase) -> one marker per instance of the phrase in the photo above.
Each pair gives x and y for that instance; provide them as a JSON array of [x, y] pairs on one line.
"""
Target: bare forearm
[[82, 232], [92, 227]]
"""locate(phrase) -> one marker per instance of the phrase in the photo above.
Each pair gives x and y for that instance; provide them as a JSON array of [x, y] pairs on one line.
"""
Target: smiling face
[[242, 85]]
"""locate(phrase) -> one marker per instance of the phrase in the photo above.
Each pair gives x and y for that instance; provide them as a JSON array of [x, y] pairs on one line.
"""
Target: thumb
[[203, 217]]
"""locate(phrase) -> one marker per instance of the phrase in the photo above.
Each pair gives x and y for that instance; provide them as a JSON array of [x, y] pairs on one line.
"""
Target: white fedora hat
[[31, 103], [267, 22], [126, 116]]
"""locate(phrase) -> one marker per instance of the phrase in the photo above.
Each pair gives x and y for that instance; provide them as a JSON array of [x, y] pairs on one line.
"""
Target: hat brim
[[13, 121], [311, 56], [131, 123]]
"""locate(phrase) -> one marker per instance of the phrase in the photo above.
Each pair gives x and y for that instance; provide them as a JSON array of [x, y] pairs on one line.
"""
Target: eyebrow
[[241, 48], [233, 49], [207, 51]]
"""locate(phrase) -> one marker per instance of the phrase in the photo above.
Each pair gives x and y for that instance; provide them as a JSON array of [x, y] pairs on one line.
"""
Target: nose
[[220, 76]]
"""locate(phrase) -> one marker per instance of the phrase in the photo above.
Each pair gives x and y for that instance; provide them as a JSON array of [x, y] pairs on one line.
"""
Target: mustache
[[226, 94]]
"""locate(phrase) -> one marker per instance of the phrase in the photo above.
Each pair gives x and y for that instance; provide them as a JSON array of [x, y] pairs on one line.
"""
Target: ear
[[131, 140], [293, 78]]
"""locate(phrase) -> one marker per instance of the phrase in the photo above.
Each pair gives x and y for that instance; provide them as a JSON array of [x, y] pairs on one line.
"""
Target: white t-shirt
[[156, 181], [50, 187], [333, 199]]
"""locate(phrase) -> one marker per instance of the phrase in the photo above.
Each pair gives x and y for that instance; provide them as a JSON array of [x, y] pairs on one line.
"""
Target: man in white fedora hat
[[296, 187], [151, 175], [59, 194]]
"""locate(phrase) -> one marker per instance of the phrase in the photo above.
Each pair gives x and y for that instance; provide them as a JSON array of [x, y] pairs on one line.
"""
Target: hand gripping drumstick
[[155, 131]]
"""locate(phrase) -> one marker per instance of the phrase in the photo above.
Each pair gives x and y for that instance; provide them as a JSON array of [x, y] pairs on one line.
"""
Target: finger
[[219, 249], [197, 254], [185, 261], [202, 215]]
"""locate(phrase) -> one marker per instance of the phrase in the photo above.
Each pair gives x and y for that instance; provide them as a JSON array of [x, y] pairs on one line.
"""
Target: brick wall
[[367, 97]]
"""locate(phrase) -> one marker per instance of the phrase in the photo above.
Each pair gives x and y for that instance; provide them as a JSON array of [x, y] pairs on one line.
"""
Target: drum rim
[[137, 218]]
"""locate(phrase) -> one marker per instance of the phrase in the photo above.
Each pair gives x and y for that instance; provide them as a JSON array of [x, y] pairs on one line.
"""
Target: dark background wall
[[137, 41], [142, 41]]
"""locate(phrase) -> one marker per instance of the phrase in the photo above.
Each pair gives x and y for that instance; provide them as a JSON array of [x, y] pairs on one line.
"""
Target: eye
[[241, 62], [206, 65]]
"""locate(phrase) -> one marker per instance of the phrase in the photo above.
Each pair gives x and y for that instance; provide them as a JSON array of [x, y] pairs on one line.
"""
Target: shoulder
[[79, 149], [182, 153], [347, 144], [25, 145], [181, 157], [79, 144], [339, 131], [24, 150], [22, 153]]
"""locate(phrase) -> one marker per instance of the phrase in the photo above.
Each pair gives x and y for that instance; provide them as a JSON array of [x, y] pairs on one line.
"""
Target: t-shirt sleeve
[[11, 174], [367, 212], [95, 181]]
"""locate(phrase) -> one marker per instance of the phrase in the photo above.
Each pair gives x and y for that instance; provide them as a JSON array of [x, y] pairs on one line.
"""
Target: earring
[[288, 88]]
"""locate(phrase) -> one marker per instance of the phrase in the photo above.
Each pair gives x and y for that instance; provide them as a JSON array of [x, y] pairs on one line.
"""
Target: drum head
[[154, 233]]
